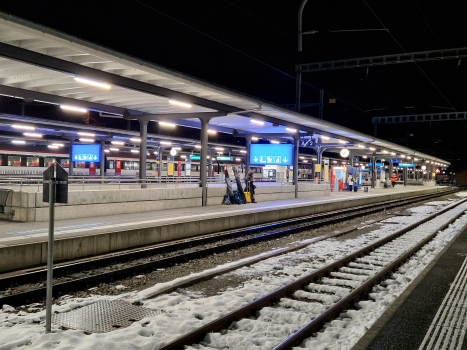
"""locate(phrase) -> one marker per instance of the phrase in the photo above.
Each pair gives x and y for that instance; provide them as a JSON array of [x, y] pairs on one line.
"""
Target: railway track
[[286, 317], [189, 249]]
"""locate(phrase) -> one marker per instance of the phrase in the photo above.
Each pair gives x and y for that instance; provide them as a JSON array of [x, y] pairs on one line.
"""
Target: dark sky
[[251, 46]]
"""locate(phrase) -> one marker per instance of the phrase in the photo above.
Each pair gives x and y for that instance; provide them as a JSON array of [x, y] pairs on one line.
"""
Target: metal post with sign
[[55, 190]]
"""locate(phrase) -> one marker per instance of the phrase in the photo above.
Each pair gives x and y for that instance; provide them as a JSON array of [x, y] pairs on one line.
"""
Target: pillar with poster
[[317, 172], [170, 166]]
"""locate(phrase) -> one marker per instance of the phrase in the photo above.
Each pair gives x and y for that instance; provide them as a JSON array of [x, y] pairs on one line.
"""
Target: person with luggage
[[250, 187], [393, 180]]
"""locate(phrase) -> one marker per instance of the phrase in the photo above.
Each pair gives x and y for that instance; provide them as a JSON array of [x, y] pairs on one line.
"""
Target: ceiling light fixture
[[86, 134], [18, 142], [120, 143], [361, 146], [165, 143], [93, 83], [74, 109], [259, 122], [135, 151], [325, 137], [52, 146], [32, 134], [372, 149], [255, 138], [219, 148], [106, 151], [275, 142], [58, 144], [291, 130], [134, 139], [212, 131], [23, 127], [167, 124], [87, 140], [181, 104], [198, 146], [114, 149], [341, 141], [242, 151]]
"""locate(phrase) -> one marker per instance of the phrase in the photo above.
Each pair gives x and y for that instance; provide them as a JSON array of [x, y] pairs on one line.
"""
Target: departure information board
[[86, 153], [271, 154]]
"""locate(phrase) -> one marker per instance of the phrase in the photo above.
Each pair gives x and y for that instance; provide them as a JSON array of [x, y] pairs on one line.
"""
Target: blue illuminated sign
[[224, 158], [195, 157], [394, 160], [86, 153], [406, 165], [271, 154], [377, 164]]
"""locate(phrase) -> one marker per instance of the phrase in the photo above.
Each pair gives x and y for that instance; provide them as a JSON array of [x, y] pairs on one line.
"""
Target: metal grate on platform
[[103, 316]]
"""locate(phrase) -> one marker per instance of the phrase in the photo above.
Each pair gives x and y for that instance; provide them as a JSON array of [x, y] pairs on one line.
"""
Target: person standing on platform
[[350, 182], [393, 180], [250, 187]]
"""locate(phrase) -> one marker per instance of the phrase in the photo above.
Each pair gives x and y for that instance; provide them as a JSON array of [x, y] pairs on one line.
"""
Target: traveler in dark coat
[[250, 185]]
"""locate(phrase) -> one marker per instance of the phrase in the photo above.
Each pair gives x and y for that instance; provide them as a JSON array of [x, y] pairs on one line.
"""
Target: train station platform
[[24, 244], [431, 313]]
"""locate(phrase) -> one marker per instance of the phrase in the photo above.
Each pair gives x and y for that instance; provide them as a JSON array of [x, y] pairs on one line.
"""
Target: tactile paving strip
[[103, 316]]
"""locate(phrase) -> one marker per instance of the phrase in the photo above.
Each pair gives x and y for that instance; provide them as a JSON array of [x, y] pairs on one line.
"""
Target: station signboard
[[394, 160], [86, 153], [271, 154], [377, 164], [410, 165], [224, 158], [195, 157]]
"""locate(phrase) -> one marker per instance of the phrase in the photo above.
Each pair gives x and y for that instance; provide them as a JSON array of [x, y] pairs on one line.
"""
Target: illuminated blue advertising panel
[[410, 165], [86, 153], [271, 154]]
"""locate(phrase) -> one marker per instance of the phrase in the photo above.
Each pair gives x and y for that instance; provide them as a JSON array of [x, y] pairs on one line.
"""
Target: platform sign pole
[[55, 190]]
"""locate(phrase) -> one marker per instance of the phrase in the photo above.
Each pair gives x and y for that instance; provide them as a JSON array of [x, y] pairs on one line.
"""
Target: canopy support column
[[203, 160], [373, 172], [247, 155], [70, 154], [102, 163], [296, 142], [143, 150]]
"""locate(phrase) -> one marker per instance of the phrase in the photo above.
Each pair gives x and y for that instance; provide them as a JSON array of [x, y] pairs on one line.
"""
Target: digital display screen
[[406, 165], [271, 154], [86, 153], [224, 158]]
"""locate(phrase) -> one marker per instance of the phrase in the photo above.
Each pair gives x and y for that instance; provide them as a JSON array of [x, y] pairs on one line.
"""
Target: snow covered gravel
[[188, 309]]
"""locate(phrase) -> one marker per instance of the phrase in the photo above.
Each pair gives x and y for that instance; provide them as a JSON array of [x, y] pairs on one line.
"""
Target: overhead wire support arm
[[411, 57]]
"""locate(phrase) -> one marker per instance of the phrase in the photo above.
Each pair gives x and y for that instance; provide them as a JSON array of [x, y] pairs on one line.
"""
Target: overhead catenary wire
[[243, 53], [395, 40]]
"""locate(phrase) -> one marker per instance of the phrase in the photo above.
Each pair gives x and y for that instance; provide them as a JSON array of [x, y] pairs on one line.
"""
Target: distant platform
[[24, 244]]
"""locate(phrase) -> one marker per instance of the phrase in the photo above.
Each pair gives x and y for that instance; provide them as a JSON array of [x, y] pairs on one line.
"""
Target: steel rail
[[273, 297], [103, 277]]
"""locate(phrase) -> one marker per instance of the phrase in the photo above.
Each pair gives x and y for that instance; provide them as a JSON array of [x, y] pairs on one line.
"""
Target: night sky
[[251, 46]]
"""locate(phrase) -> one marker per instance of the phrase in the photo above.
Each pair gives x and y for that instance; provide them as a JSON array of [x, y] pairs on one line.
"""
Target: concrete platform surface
[[23, 244]]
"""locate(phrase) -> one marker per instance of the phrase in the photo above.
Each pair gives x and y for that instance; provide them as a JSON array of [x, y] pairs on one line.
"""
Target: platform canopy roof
[[42, 64]]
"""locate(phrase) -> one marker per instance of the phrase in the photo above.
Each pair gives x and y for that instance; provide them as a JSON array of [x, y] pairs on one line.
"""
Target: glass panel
[[65, 162], [14, 160], [49, 161], [32, 161]]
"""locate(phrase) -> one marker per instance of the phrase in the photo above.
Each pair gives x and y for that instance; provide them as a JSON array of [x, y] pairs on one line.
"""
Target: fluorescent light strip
[[291, 130], [18, 142], [87, 140], [181, 104], [23, 127], [242, 151], [106, 151], [238, 159], [86, 134], [372, 149], [361, 146], [58, 144], [93, 83], [74, 109], [32, 134], [219, 148], [135, 151], [259, 122], [178, 148], [114, 149], [275, 142], [167, 124], [120, 143], [52, 146], [198, 146], [255, 138], [165, 143], [325, 137], [341, 141], [135, 139], [211, 131]]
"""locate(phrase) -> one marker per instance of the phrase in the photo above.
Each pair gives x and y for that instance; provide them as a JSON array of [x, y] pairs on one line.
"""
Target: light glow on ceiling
[[93, 83], [258, 122], [167, 124], [181, 104], [74, 109], [23, 127], [32, 134]]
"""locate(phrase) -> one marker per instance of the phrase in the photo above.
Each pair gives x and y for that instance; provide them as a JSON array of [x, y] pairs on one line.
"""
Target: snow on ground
[[182, 313], [344, 332], [461, 194]]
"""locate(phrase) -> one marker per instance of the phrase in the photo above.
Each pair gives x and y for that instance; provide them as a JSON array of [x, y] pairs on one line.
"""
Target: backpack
[[226, 200], [237, 198]]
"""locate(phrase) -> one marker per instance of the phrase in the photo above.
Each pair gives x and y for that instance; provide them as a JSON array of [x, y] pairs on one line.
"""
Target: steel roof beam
[[419, 118], [421, 56]]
